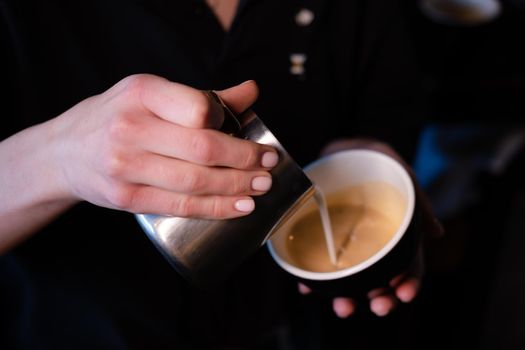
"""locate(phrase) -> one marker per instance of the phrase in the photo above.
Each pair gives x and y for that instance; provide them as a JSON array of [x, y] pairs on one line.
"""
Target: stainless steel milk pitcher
[[207, 251]]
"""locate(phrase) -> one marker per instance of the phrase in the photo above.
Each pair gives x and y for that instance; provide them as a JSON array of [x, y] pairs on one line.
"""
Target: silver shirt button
[[297, 61], [304, 17]]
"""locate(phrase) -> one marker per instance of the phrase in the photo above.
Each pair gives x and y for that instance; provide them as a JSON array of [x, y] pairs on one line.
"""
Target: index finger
[[174, 102]]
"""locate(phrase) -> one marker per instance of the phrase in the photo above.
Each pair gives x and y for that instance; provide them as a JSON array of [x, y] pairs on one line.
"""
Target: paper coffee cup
[[335, 173]]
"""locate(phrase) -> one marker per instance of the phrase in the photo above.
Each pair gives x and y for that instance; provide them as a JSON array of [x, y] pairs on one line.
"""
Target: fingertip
[[240, 97], [407, 291], [303, 289], [261, 183], [251, 84], [250, 91], [269, 159], [245, 205], [382, 305], [343, 307]]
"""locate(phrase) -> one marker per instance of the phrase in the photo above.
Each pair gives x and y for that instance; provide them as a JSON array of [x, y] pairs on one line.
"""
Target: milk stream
[[327, 226]]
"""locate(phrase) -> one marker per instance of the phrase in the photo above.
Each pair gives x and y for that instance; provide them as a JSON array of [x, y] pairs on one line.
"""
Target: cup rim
[[331, 275], [486, 11]]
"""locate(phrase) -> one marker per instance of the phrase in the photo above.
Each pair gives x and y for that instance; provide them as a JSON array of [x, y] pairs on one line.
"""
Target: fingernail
[[246, 82], [269, 159], [245, 205], [379, 307], [303, 289], [407, 292], [343, 308], [405, 296], [342, 313], [262, 183]]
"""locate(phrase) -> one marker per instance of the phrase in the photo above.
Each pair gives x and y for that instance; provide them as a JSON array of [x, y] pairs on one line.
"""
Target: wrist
[[56, 158], [33, 192], [33, 156]]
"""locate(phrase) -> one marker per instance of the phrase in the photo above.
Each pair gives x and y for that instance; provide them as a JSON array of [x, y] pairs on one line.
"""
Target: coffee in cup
[[363, 217], [371, 202]]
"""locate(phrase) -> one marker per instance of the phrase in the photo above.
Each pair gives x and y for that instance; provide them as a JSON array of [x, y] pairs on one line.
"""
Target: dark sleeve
[[392, 104], [386, 98], [8, 67]]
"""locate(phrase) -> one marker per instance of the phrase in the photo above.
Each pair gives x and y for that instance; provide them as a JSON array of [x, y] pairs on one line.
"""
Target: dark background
[[475, 285]]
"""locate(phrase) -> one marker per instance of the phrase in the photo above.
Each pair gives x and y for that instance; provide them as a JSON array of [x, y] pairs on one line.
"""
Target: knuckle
[[183, 206], [121, 128], [133, 84], [114, 164], [191, 181], [216, 208], [240, 184], [121, 197], [200, 112], [130, 89], [202, 147], [251, 157]]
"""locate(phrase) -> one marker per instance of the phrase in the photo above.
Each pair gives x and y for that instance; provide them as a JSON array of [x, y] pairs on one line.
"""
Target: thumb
[[240, 97]]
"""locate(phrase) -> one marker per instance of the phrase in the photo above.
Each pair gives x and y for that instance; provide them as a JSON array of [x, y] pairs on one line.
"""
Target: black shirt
[[91, 279]]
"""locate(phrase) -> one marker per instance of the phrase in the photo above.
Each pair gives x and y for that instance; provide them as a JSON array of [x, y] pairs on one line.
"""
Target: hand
[[148, 145], [404, 287]]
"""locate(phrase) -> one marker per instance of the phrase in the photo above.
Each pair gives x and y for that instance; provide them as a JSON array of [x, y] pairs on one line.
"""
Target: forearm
[[32, 191]]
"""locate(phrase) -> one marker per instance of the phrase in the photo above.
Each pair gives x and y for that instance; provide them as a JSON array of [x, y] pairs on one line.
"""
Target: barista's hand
[[404, 287], [148, 145]]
